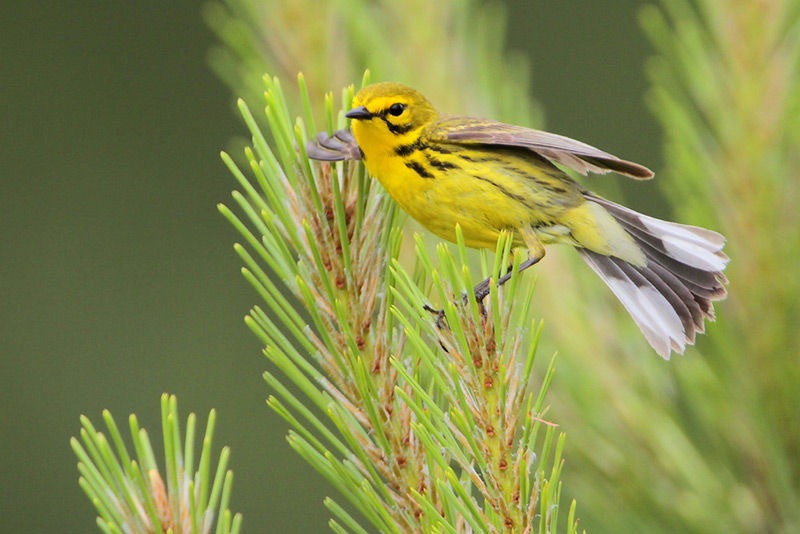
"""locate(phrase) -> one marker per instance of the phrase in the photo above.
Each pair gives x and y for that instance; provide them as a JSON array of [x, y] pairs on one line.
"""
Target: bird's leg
[[535, 254], [482, 289]]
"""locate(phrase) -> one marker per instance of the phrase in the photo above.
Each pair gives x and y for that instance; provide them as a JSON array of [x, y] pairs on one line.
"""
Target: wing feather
[[557, 148], [340, 146]]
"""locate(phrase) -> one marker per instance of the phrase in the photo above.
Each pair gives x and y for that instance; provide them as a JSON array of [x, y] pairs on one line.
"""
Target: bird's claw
[[440, 319]]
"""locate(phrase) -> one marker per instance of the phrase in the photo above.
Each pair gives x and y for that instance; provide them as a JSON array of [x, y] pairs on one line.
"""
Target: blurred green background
[[117, 279]]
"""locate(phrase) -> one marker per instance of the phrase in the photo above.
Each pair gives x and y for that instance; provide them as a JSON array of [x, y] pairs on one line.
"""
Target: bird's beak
[[358, 113]]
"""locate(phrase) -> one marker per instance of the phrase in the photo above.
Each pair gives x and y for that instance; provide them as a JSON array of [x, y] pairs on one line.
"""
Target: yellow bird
[[489, 177]]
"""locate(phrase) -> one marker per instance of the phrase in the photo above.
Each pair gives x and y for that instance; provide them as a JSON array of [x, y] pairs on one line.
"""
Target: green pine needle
[[130, 495]]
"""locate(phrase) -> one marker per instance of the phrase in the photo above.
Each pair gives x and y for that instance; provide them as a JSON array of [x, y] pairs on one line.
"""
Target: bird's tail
[[670, 297]]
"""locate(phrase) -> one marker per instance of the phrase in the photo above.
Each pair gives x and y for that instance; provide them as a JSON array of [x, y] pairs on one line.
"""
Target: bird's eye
[[397, 109]]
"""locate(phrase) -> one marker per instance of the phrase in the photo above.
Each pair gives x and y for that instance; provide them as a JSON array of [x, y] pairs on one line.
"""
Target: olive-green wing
[[557, 148], [340, 146]]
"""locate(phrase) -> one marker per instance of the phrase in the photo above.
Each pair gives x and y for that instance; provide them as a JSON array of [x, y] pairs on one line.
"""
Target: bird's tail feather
[[671, 296]]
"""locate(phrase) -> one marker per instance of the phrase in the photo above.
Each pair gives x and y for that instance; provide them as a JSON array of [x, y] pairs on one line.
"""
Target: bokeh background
[[118, 281]]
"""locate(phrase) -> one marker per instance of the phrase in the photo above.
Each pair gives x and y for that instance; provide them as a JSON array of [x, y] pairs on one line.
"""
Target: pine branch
[[435, 428], [131, 495]]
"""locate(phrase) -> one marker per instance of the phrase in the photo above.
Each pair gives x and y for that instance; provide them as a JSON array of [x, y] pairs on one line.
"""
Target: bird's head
[[385, 113]]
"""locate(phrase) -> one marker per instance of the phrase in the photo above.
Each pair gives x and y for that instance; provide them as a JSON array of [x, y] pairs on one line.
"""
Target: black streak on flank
[[419, 169], [522, 200], [440, 149], [553, 187], [442, 165], [405, 150], [472, 159]]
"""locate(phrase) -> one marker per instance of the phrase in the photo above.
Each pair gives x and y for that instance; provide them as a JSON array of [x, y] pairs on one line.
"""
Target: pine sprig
[[434, 427], [131, 495]]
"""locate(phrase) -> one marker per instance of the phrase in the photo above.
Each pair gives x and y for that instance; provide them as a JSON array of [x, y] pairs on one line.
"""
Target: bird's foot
[[441, 322]]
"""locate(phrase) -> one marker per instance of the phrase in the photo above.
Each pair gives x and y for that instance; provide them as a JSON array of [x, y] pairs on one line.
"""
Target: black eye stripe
[[397, 129]]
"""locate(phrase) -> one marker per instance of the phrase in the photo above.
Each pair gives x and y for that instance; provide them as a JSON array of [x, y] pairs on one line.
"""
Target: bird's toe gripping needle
[[440, 319], [481, 290]]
